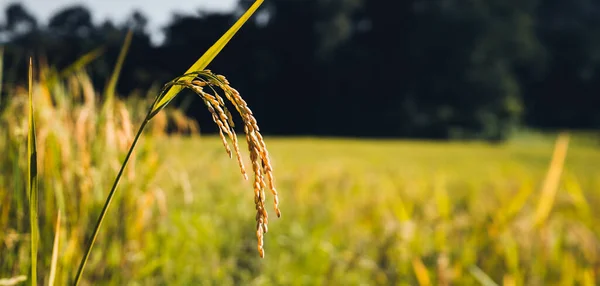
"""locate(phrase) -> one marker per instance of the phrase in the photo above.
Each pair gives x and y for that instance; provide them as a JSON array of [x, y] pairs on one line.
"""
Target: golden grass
[[52, 275], [32, 181], [550, 186], [364, 210], [96, 137], [77, 155]]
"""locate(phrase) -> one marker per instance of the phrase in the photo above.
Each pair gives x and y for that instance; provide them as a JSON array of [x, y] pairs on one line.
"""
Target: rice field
[[393, 213], [355, 212]]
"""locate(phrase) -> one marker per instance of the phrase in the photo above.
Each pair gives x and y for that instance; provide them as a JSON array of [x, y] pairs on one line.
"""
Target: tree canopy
[[407, 68]]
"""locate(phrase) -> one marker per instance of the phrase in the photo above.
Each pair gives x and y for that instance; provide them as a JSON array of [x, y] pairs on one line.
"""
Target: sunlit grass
[[195, 79], [366, 211], [358, 211], [76, 159], [55, 100], [32, 181]]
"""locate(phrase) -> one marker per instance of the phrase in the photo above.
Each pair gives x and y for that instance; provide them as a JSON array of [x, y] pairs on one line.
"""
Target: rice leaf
[[421, 272], [576, 192], [32, 181], [441, 197], [82, 62], [552, 180], [55, 251], [108, 201], [114, 78], [208, 56], [481, 276], [12, 281], [587, 277], [164, 98]]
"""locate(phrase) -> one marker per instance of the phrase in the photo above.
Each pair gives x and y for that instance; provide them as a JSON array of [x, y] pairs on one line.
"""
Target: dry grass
[[79, 148], [366, 212]]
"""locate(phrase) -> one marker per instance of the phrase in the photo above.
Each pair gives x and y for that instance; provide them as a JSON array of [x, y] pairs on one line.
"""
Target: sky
[[159, 12]]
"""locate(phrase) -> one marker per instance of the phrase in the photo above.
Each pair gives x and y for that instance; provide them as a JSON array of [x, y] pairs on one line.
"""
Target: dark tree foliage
[[406, 68]]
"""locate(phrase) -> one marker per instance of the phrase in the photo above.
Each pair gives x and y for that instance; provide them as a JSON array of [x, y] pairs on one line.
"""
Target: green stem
[[109, 199]]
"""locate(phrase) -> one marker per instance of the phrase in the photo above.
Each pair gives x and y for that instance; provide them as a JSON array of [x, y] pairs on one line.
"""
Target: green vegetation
[[32, 182], [377, 212], [357, 211], [386, 212], [195, 79], [79, 147]]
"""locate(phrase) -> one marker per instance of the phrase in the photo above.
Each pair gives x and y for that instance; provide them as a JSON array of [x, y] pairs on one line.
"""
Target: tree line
[[405, 68]]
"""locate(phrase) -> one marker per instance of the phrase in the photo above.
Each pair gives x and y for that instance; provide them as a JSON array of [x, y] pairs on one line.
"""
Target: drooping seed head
[[259, 156]]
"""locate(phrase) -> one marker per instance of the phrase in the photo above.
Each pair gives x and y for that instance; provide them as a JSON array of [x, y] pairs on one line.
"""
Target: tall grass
[[77, 158], [361, 212], [375, 213], [32, 180], [195, 79]]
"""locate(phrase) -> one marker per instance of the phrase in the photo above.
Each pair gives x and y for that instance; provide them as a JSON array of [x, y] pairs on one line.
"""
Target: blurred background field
[[394, 212], [493, 200]]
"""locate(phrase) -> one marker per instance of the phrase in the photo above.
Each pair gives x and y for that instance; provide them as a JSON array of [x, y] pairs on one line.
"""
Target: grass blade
[[114, 78], [32, 181], [111, 194], [208, 56], [82, 62], [575, 191], [12, 281], [163, 99], [552, 180], [481, 276], [55, 251], [421, 272]]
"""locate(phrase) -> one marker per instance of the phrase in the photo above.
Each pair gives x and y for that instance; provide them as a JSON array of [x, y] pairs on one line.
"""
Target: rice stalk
[[588, 277], [443, 270], [441, 197], [259, 155], [550, 186], [54, 260], [575, 191], [82, 62], [12, 281], [481, 276], [74, 165], [509, 280], [109, 199], [32, 181], [421, 272], [114, 78], [109, 94], [515, 205]]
